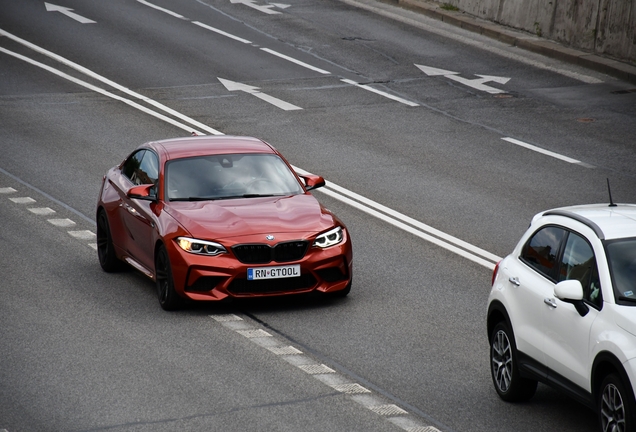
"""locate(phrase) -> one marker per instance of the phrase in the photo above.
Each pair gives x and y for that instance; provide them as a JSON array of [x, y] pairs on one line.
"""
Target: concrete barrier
[[604, 27]]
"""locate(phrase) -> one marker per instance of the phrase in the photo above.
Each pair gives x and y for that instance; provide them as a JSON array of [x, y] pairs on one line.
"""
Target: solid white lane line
[[298, 62], [169, 12], [360, 202], [543, 151], [104, 92], [381, 93], [488, 264], [221, 32], [98, 77]]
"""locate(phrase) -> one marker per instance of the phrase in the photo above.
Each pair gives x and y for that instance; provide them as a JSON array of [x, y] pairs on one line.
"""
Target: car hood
[[249, 216]]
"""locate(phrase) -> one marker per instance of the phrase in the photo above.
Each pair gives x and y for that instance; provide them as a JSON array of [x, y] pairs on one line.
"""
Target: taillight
[[494, 273]]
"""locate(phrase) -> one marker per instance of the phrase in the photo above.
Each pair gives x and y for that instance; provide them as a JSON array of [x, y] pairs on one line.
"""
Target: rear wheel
[[616, 406], [105, 250], [168, 297], [509, 383]]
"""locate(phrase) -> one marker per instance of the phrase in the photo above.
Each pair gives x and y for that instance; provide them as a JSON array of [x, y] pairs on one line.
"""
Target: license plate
[[277, 272]]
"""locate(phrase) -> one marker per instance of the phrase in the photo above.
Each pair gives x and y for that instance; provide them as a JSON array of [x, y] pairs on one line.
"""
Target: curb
[[527, 41]]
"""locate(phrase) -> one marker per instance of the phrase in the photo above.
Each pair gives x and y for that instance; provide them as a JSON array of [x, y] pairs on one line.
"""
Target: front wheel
[[616, 406], [105, 249], [509, 383], [168, 297]]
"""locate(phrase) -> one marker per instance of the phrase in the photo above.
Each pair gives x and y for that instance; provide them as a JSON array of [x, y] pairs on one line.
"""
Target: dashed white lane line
[[42, 211], [298, 62], [381, 93], [47, 211], [63, 223], [546, 152], [169, 12], [23, 200], [221, 32], [325, 374]]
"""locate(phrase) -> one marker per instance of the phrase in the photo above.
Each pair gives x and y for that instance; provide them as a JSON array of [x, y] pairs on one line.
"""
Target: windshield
[[229, 176], [622, 260]]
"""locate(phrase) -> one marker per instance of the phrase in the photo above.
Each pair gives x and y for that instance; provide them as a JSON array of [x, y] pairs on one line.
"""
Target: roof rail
[[578, 218]]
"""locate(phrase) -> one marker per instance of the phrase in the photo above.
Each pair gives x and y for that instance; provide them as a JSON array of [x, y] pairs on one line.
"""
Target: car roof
[[177, 148], [609, 222]]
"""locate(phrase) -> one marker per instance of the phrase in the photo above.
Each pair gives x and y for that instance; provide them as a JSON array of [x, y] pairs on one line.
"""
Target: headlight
[[330, 238], [200, 247]]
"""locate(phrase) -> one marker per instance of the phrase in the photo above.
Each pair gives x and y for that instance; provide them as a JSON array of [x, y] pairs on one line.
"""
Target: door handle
[[550, 302], [514, 280]]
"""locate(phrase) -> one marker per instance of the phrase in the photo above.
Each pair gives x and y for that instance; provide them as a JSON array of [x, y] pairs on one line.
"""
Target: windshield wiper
[[196, 199], [627, 299]]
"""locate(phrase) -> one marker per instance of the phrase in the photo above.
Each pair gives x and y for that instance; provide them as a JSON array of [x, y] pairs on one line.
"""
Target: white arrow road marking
[[262, 8], [281, 5], [234, 86], [477, 84], [381, 93], [67, 11]]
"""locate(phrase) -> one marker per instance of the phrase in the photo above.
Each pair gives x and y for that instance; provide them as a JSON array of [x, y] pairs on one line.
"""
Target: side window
[[542, 249], [142, 168], [149, 169], [131, 166], [579, 263]]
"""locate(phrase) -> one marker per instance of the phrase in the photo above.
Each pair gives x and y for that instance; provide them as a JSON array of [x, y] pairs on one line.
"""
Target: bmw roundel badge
[[269, 237]]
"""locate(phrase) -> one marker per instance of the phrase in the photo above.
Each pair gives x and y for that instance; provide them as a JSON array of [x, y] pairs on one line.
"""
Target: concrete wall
[[605, 27]]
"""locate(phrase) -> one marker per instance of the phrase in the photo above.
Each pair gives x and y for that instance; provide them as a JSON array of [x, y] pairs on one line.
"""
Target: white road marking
[[22, 200], [169, 12], [41, 210], [98, 77], [7, 190], [316, 369], [453, 35], [261, 8], [381, 93], [67, 11], [64, 223], [298, 62], [82, 234], [221, 32], [477, 84], [542, 151], [327, 375], [235, 86]]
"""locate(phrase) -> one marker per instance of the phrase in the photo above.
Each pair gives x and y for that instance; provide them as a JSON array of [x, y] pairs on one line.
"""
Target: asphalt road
[[81, 350]]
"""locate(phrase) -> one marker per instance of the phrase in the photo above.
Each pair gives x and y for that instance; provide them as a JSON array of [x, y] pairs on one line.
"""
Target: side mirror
[[144, 192], [312, 181], [571, 291]]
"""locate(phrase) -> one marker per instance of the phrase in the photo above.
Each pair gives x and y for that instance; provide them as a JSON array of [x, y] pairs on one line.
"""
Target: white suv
[[562, 311]]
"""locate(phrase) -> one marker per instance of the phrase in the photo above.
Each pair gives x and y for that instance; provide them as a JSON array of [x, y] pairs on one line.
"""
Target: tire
[[504, 368], [105, 250], [168, 297], [616, 406]]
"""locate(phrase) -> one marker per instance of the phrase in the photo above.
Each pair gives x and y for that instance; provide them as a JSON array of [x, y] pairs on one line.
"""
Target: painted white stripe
[[298, 62], [98, 77], [169, 12], [82, 234], [540, 150], [361, 202], [7, 190], [104, 92], [42, 210], [452, 33], [254, 333], [22, 200], [61, 222], [221, 32], [341, 194], [276, 102], [381, 93]]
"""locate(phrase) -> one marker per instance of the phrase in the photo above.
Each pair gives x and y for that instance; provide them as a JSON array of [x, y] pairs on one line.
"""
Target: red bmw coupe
[[210, 218]]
